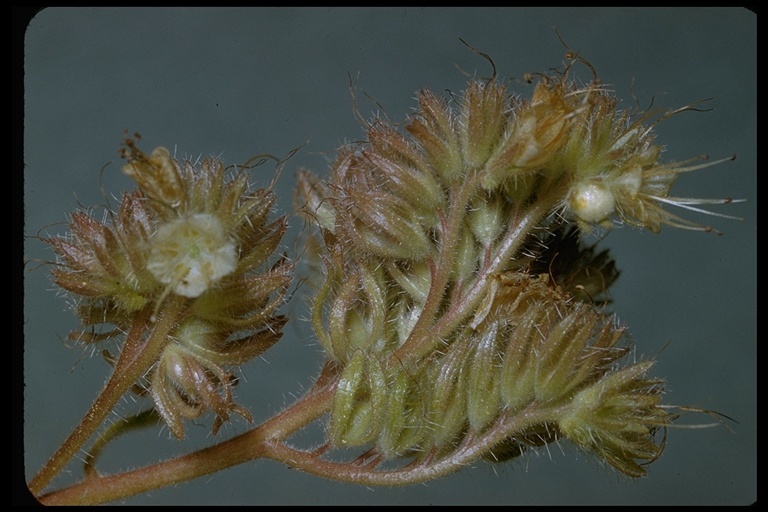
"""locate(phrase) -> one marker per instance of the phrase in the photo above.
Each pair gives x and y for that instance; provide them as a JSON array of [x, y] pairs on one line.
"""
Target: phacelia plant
[[463, 316]]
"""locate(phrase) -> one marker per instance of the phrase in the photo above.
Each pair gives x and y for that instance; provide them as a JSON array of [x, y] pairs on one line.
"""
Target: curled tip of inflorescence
[[456, 294]]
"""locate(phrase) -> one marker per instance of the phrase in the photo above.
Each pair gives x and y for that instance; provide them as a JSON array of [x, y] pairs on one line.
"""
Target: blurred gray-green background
[[243, 81]]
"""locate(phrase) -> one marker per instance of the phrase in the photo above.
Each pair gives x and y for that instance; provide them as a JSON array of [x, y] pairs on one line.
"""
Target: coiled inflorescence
[[456, 295]]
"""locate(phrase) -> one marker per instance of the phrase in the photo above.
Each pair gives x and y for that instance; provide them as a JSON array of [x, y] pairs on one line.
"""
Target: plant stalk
[[137, 357]]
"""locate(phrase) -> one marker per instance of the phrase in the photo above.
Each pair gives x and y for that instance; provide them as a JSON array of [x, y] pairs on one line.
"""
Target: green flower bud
[[405, 423], [484, 381], [467, 256], [483, 117], [405, 172], [617, 418], [487, 220], [447, 382], [518, 368], [434, 127], [360, 403], [415, 279], [560, 353]]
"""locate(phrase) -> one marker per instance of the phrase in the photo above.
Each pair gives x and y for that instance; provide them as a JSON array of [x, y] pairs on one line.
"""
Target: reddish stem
[[139, 353]]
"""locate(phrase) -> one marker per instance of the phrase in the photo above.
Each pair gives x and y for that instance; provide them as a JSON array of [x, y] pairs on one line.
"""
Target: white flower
[[191, 254]]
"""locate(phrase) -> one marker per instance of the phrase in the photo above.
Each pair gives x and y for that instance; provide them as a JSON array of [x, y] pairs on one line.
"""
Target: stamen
[[685, 203]]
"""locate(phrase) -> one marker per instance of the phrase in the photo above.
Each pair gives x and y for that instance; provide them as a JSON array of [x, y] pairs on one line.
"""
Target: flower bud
[[379, 222], [617, 417], [518, 367], [434, 127], [482, 121], [467, 256], [415, 279], [484, 380], [446, 388], [184, 385], [487, 220], [360, 402], [405, 424], [404, 171]]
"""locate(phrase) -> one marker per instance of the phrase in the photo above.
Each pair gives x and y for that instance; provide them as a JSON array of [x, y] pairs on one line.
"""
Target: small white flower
[[191, 254]]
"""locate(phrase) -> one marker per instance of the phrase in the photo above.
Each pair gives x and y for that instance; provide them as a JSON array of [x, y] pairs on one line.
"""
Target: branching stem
[[251, 445], [427, 333], [138, 354]]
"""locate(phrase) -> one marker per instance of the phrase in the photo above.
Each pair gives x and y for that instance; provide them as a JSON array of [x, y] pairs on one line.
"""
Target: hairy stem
[[419, 471], [450, 233], [420, 343], [138, 354], [249, 446]]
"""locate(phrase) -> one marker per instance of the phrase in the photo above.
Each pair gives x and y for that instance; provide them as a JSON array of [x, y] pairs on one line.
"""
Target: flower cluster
[[457, 295], [616, 173], [191, 246]]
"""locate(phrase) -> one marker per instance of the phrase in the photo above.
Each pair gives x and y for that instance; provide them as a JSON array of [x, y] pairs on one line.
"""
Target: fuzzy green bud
[[482, 121], [484, 379], [487, 220], [617, 416], [435, 128]]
